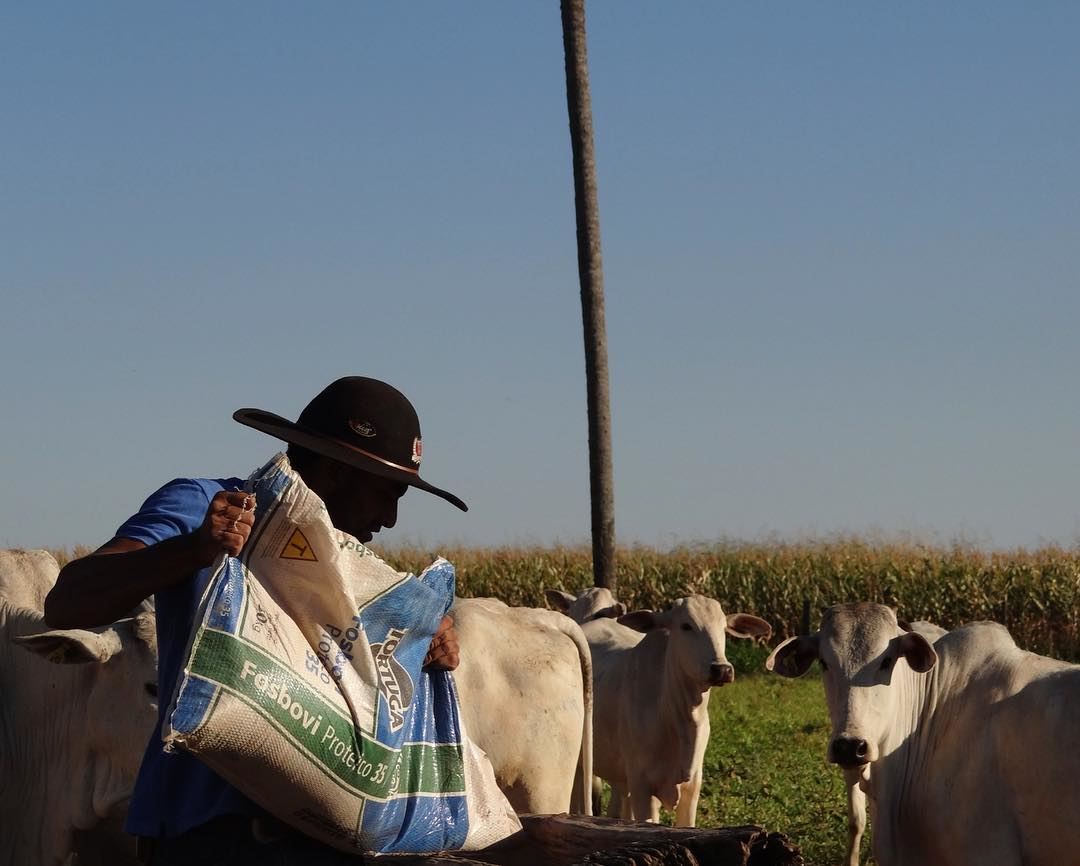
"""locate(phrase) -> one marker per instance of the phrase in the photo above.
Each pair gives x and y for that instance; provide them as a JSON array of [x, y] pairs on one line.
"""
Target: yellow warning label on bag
[[298, 547]]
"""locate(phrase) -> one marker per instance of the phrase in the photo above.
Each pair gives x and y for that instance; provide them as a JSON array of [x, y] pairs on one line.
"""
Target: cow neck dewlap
[[680, 695], [683, 708], [53, 783], [906, 753]]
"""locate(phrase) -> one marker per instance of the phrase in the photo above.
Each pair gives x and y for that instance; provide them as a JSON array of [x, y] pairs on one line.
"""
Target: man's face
[[359, 503]]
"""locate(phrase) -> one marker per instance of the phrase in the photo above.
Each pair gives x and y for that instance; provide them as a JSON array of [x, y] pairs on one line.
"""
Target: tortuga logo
[[395, 684]]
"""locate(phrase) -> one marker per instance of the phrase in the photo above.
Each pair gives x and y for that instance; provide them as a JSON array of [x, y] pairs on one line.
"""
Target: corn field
[[1034, 593]]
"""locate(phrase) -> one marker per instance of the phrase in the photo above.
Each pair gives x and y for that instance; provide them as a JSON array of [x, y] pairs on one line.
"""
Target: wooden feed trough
[[568, 840]]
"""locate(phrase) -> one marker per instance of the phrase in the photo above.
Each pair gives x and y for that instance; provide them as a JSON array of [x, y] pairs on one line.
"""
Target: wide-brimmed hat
[[359, 421]]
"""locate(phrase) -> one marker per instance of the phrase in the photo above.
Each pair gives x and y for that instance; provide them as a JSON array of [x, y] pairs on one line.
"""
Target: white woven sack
[[303, 688]]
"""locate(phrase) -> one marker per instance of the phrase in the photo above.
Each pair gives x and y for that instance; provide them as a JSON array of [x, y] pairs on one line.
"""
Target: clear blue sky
[[841, 252]]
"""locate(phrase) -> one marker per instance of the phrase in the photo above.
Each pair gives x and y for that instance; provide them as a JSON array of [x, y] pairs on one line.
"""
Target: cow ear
[[144, 626], [917, 651], [748, 626], [559, 600], [640, 620], [72, 646], [794, 656], [613, 612]]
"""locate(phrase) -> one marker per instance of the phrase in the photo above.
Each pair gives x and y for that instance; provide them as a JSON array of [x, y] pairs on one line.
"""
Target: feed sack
[[303, 688]]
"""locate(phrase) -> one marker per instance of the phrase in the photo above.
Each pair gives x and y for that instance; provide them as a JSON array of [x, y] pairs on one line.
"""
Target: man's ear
[[325, 477], [794, 656], [559, 600]]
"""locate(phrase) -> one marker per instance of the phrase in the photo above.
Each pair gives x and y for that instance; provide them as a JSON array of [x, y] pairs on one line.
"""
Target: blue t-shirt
[[175, 791]]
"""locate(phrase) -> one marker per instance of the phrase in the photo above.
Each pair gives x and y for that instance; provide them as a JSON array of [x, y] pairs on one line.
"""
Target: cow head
[[697, 627], [864, 653], [596, 602], [121, 699]]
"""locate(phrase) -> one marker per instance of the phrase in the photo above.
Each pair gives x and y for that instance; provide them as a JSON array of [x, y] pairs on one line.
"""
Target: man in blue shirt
[[357, 446]]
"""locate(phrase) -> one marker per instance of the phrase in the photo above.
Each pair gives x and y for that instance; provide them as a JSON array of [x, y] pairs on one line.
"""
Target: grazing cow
[[26, 576], [596, 602], [525, 684], [972, 744], [652, 675], [75, 713]]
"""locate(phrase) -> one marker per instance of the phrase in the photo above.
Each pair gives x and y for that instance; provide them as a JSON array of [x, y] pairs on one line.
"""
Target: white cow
[[857, 779], [596, 602], [26, 576], [973, 745], [652, 701], [75, 714], [525, 684]]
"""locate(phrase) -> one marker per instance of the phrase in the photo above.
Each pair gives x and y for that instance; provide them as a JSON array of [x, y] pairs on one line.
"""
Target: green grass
[[765, 763]]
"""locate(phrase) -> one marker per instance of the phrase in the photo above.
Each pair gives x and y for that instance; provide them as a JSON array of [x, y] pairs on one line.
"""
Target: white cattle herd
[[963, 747]]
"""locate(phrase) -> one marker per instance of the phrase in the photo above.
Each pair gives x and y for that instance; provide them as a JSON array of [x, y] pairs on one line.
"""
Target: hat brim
[[320, 443]]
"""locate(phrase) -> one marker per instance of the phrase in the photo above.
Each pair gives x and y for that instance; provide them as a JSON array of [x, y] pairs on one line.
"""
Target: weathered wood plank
[[575, 840]]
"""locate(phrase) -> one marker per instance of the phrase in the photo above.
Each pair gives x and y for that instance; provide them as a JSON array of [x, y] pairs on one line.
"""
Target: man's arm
[[104, 586]]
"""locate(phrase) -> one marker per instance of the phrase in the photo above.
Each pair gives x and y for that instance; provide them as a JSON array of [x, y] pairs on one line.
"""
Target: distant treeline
[[1034, 593]]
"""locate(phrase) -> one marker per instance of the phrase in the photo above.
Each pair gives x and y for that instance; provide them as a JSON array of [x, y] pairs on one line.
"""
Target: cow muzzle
[[721, 673], [849, 752]]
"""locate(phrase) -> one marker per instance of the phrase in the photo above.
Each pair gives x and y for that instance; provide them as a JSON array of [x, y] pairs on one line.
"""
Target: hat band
[[408, 469]]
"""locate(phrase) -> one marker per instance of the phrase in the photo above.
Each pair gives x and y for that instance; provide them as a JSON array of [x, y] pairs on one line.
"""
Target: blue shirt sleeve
[[178, 508]]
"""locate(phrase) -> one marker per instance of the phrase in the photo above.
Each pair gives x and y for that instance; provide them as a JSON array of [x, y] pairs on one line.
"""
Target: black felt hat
[[359, 421]]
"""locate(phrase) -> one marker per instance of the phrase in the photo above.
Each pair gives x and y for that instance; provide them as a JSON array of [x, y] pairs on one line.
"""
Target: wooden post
[[591, 277]]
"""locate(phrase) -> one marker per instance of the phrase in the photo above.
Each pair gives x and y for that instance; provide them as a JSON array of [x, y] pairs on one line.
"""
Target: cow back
[[26, 576]]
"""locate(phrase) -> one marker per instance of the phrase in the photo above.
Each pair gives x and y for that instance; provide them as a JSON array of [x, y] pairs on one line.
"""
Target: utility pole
[[591, 276]]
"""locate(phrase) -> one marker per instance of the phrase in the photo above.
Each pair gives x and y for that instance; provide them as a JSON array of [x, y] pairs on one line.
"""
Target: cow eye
[[151, 689], [887, 663], [686, 627]]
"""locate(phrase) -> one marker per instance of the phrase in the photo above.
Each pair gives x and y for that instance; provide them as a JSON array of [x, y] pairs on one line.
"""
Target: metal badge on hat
[[362, 428]]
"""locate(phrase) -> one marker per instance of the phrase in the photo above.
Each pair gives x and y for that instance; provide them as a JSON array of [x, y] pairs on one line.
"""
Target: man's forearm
[[106, 585], [99, 588]]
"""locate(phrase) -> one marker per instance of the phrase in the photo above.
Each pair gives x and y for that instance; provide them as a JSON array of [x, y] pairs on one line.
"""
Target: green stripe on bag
[[327, 737]]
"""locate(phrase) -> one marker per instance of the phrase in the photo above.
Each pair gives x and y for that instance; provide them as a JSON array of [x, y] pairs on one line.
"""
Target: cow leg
[[548, 795], [596, 789], [643, 805], [856, 811], [686, 809], [618, 805]]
